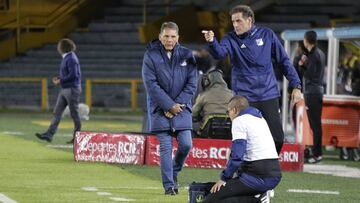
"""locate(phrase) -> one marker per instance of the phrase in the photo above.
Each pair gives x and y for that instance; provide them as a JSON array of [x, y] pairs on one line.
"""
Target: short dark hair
[[238, 102], [311, 37], [66, 45], [170, 25], [245, 10]]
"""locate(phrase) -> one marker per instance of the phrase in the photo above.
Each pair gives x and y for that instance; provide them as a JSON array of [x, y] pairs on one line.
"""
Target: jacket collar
[[252, 111], [250, 32]]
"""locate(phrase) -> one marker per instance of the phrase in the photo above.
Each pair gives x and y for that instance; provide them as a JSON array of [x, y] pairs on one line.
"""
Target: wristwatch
[[298, 87]]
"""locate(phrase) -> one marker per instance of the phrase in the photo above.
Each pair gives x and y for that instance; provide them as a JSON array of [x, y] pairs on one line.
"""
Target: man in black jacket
[[313, 65]]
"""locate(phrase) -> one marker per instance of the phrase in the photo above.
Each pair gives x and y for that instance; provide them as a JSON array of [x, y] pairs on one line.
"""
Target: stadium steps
[[109, 48]]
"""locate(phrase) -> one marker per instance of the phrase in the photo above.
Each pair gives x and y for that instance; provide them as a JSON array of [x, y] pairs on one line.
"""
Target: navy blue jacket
[[167, 82], [251, 57], [70, 74]]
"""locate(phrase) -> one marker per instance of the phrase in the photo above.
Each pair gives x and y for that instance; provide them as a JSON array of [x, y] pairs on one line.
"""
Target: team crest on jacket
[[183, 63], [259, 42]]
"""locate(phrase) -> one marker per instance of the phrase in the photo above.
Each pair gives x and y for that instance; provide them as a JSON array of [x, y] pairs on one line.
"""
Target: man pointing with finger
[[252, 50]]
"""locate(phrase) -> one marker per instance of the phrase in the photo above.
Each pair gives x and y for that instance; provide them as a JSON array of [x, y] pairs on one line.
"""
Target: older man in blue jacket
[[170, 78], [251, 50]]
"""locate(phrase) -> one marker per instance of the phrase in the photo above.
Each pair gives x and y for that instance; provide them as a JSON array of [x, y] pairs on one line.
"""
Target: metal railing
[[133, 83], [88, 88], [44, 87]]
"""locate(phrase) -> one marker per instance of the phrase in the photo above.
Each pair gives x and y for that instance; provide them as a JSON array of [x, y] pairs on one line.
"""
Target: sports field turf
[[34, 171]]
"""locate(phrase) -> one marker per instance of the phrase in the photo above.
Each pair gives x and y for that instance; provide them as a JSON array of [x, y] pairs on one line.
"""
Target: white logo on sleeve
[[259, 42], [183, 63], [243, 46]]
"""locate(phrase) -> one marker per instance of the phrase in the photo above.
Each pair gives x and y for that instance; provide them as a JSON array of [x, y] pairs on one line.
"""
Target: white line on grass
[[315, 191], [103, 193], [12, 133], [61, 146], [5, 199], [89, 188], [117, 199], [140, 188], [121, 199], [335, 170]]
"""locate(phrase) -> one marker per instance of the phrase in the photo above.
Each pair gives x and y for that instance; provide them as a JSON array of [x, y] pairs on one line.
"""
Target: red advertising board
[[109, 147], [212, 153], [205, 153], [340, 121], [292, 157]]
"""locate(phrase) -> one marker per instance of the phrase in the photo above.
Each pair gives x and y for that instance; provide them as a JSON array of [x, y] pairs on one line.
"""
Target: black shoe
[[43, 136], [170, 191], [70, 141], [176, 190]]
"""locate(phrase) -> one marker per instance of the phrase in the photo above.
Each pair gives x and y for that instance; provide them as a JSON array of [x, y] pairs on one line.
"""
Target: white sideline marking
[[89, 188], [315, 191], [12, 133], [61, 146], [141, 188], [103, 193], [5, 199], [121, 199], [94, 189], [335, 170]]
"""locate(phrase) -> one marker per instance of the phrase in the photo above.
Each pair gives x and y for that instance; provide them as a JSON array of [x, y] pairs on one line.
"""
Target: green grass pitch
[[31, 171]]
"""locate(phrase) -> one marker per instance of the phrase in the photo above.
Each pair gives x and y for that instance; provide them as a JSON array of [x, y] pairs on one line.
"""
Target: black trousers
[[232, 193], [271, 112], [314, 103]]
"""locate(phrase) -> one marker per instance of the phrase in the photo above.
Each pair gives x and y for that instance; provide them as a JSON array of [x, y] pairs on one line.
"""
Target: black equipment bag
[[198, 191]]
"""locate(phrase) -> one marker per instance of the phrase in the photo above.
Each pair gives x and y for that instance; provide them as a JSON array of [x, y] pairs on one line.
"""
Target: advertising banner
[[212, 153], [109, 147], [292, 157], [340, 123], [205, 153]]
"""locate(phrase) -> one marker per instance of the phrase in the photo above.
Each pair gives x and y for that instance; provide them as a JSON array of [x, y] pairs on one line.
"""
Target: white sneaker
[[265, 197], [314, 160], [271, 193]]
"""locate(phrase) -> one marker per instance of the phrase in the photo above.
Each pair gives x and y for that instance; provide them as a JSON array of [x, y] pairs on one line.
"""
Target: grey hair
[[170, 25]]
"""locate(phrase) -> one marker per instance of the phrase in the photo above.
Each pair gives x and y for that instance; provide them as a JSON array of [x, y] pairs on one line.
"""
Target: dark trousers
[[271, 112], [71, 97], [314, 103], [233, 192]]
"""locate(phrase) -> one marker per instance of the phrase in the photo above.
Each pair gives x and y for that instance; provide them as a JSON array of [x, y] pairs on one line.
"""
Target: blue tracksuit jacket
[[251, 56]]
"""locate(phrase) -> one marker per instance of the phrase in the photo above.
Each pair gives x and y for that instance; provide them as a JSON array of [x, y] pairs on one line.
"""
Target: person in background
[[213, 100], [253, 157], [251, 50], [313, 65], [69, 95], [170, 77], [300, 51], [204, 60], [356, 79]]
